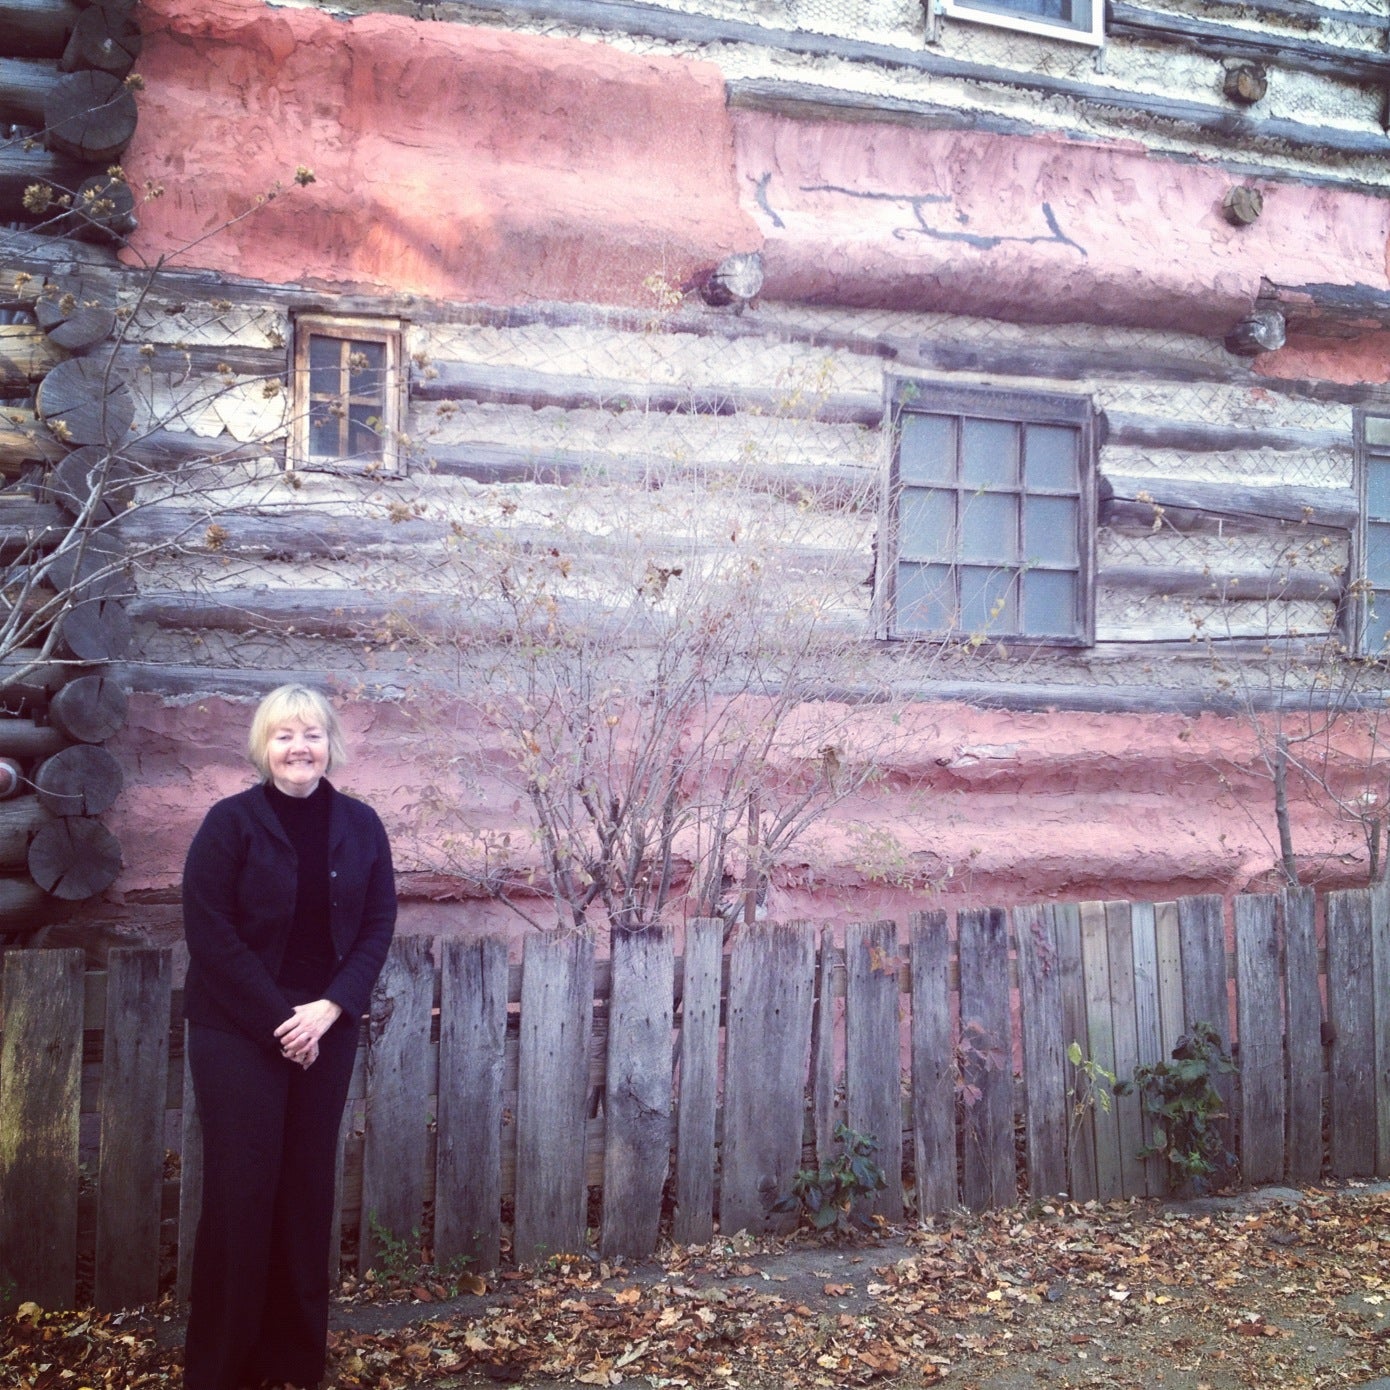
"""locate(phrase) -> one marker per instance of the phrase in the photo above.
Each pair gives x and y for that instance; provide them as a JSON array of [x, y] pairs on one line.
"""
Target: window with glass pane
[[1078, 20], [347, 391], [990, 532], [1375, 550]]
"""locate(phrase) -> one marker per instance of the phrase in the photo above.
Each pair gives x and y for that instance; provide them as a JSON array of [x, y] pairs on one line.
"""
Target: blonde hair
[[293, 704]]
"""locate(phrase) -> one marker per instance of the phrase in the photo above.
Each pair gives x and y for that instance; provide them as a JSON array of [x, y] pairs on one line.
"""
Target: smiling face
[[297, 755]]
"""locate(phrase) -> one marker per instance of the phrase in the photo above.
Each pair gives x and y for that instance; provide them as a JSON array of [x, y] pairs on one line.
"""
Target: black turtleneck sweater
[[308, 963]]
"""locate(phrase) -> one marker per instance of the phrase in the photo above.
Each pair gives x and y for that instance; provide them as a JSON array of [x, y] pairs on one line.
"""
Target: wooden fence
[[566, 1090]]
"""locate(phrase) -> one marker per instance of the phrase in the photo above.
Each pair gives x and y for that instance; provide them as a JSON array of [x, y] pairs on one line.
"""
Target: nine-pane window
[[347, 392], [989, 527], [1078, 20], [1374, 609]]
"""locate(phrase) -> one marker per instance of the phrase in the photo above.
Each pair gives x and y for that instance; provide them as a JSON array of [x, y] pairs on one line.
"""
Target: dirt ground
[[1270, 1288]]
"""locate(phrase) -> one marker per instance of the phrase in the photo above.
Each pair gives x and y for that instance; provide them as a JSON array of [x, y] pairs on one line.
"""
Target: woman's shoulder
[[240, 806], [353, 809]]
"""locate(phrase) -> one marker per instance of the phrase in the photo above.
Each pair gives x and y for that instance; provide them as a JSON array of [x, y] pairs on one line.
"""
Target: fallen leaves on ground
[[1100, 1295]]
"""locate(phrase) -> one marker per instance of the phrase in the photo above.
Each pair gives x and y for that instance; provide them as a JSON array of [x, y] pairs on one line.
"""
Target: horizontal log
[[27, 355], [24, 739], [89, 709], [86, 401], [90, 480], [103, 209], [195, 360], [28, 678], [1132, 500], [1159, 432], [24, 906], [1307, 12], [83, 780], [74, 858], [20, 820], [104, 39], [1211, 39], [94, 566], [95, 630], [24, 440], [1230, 585], [37, 28], [294, 534], [72, 317], [24, 170], [1328, 310], [25, 84], [459, 381], [90, 116]]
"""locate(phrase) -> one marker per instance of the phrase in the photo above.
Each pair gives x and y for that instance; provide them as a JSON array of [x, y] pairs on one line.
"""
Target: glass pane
[[927, 449], [1376, 636], [364, 432], [1049, 458], [1378, 553], [1049, 530], [987, 602], [323, 431], [325, 358], [926, 599], [989, 527], [367, 369], [926, 524], [1049, 603], [989, 453], [1378, 429], [1378, 488]]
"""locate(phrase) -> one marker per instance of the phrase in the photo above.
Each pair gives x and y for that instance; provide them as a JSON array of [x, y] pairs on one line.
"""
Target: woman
[[289, 903]]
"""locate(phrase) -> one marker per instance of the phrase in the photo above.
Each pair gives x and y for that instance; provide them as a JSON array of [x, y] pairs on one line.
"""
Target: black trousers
[[260, 1263]]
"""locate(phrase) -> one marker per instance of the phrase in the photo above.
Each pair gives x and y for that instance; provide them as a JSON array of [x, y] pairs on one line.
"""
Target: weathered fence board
[[1100, 1036], [472, 1054], [1148, 1026], [135, 1081], [873, 1094], [393, 1155], [1081, 1120], [190, 1179], [1119, 933], [1168, 943], [1351, 1014], [557, 991], [1380, 990], [637, 1093], [1259, 1008], [825, 1107], [1303, 1036], [771, 983], [698, 1103], [986, 1047], [932, 1060], [1206, 999], [1044, 1050], [40, 1080]]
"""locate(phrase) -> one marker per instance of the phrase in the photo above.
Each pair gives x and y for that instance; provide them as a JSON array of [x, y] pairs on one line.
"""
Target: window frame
[[1361, 593], [1088, 30], [912, 395], [389, 332]]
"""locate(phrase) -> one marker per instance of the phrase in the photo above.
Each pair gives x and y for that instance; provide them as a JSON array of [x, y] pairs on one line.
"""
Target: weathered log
[[74, 858], [37, 28], [1143, 499], [104, 40], [73, 318], [36, 188], [27, 355], [88, 471], [24, 739], [83, 780], [1286, 585], [28, 680], [89, 115], [11, 778], [24, 87], [24, 441], [94, 567], [85, 401], [20, 820], [1156, 432], [24, 906], [97, 629], [90, 709], [102, 210]]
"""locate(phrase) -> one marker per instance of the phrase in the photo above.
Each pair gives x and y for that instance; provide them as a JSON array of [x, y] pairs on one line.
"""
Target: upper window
[[1081, 21], [990, 530], [347, 393], [1371, 615]]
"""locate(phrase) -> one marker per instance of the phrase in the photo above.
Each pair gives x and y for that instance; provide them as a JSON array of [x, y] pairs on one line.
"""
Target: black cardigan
[[239, 885]]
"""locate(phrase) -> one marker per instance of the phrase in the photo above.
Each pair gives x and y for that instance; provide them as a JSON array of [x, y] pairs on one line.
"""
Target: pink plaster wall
[[475, 164], [985, 808]]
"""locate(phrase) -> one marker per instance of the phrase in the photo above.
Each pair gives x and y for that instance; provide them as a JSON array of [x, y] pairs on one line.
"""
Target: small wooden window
[[990, 521], [347, 393], [1080, 21], [1370, 612]]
